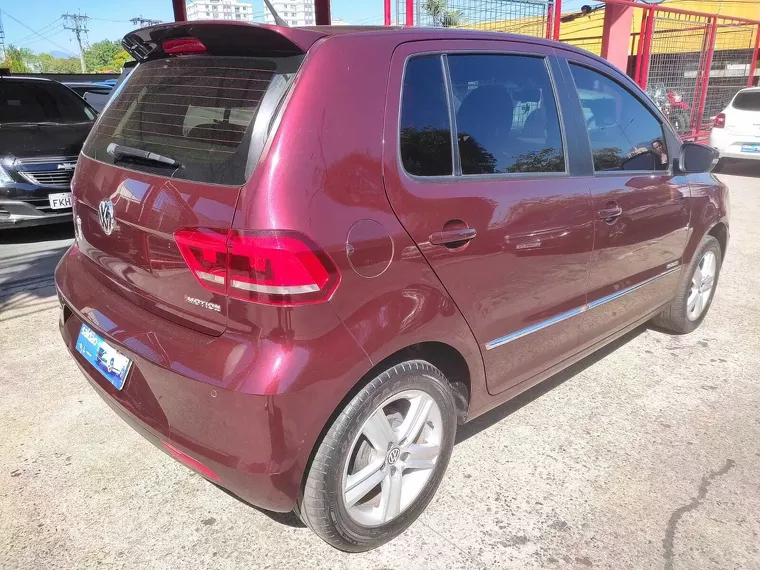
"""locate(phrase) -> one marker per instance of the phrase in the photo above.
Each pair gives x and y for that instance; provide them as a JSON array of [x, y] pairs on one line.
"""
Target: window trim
[[608, 173], [454, 177]]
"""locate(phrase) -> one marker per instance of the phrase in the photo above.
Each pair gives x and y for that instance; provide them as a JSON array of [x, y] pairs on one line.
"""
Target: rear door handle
[[452, 236], [611, 213]]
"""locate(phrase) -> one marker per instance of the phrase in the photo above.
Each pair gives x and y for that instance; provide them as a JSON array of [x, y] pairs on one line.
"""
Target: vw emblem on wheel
[[393, 455], [107, 220]]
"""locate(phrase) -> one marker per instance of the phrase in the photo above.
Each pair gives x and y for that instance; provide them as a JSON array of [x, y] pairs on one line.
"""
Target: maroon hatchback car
[[305, 255]]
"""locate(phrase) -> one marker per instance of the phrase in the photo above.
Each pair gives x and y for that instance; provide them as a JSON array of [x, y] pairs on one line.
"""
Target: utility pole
[[77, 24], [140, 21], [2, 39]]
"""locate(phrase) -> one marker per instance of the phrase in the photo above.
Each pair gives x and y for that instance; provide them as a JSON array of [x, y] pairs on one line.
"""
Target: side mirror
[[697, 158]]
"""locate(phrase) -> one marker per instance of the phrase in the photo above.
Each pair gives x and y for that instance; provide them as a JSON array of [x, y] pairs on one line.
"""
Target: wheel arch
[[441, 355]]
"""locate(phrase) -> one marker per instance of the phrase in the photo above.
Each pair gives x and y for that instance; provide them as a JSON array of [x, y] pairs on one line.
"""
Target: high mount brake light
[[270, 267], [181, 46]]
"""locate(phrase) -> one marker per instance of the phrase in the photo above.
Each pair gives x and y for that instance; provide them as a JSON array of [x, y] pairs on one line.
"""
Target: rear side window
[[210, 114], [506, 114], [39, 102], [425, 129], [623, 133], [747, 101]]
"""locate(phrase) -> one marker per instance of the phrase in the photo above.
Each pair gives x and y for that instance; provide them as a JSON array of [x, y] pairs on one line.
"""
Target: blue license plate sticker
[[751, 148], [113, 365]]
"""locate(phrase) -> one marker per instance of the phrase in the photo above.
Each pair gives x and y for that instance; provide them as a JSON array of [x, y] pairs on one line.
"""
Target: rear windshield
[[747, 101], [211, 114], [41, 102]]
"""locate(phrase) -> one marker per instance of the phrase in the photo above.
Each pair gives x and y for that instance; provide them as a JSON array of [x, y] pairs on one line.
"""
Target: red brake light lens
[[205, 252], [183, 46], [720, 121], [269, 267]]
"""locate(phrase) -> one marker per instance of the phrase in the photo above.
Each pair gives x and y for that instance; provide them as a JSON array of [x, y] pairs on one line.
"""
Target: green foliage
[[439, 11], [18, 59], [102, 56]]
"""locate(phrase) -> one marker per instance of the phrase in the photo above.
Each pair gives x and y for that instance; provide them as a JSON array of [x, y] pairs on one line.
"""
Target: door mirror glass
[[697, 157]]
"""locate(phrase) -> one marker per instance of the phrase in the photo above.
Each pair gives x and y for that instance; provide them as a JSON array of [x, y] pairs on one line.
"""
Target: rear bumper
[[730, 145], [248, 409], [740, 155]]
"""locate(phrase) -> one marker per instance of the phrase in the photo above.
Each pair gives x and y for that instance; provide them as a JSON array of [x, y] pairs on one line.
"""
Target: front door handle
[[448, 237], [611, 212]]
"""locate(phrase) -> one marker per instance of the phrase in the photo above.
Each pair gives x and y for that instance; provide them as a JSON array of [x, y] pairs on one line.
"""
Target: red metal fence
[[690, 63]]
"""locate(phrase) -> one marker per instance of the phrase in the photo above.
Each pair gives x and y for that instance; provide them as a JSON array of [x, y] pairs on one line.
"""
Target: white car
[[736, 131]]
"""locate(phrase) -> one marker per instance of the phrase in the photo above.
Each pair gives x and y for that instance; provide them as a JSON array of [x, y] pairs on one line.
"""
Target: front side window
[[506, 114], [623, 133], [425, 129]]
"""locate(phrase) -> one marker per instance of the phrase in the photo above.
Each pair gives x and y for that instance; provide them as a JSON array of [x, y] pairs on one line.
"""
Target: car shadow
[[34, 234], [474, 427], [748, 168], [28, 258]]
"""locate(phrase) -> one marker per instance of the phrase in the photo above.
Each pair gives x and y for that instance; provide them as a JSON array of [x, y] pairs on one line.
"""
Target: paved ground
[[646, 456]]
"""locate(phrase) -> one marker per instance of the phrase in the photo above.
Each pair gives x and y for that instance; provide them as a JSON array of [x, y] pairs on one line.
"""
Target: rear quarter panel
[[710, 206], [322, 174]]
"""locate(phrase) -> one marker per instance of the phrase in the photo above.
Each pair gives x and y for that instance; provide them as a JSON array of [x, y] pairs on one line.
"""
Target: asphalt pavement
[[645, 455]]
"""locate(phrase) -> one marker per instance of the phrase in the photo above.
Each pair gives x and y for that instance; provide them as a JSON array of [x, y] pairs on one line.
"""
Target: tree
[[442, 16], [102, 56], [19, 59], [50, 64], [120, 59]]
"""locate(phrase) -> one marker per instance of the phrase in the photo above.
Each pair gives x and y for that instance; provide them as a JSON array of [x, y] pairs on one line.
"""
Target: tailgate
[[210, 114]]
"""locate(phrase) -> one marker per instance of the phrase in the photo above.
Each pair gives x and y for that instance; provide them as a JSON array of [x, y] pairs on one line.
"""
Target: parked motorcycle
[[672, 105]]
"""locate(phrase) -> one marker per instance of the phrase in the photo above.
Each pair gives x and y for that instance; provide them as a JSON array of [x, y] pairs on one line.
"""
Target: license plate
[[113, 365], [751, 148], [60, 201]]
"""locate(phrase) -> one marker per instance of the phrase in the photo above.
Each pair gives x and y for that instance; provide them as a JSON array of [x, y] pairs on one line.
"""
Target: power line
[[35, 33], [77, 24], [140, 21], [43, 30]]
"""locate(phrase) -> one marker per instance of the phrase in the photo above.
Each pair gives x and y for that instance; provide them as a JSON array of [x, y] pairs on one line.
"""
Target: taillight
[[269, 267], [179, 46], [720, 121], [205, 252]]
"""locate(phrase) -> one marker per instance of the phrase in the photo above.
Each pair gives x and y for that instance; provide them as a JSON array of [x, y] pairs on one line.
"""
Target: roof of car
[[26, 78]]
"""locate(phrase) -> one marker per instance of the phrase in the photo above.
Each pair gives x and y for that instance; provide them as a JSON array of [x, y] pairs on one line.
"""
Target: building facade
[[294, 12], [219, 10]]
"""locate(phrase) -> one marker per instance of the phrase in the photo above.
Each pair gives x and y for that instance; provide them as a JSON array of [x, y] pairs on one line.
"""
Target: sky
[[110, 20]]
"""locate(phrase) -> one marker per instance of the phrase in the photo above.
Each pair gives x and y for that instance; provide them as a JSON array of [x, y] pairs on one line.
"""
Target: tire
[[678, 317], [680, 122], [331, 509]]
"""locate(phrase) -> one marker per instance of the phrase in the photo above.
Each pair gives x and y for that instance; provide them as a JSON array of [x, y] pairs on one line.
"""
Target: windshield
[[41, 102], [210, 114]]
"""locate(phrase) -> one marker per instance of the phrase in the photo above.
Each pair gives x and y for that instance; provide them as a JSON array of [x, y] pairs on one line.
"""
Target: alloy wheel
[[702, 283], [392, 458]]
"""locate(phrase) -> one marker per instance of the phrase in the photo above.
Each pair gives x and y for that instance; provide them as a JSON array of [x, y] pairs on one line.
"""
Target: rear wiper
[[120, 152]]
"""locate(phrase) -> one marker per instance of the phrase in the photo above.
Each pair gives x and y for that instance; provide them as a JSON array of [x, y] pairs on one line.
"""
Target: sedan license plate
[[751, 148], [113, 365], [60, 201]]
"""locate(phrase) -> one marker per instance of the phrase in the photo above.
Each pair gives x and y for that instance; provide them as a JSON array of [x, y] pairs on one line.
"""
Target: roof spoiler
[[221, 38]]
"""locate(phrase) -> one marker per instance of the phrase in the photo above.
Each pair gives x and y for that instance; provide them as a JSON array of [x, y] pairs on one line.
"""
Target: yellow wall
[[674, 33]]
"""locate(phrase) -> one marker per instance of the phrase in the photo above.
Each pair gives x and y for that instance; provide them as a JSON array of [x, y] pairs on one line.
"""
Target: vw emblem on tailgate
[[107, 220]]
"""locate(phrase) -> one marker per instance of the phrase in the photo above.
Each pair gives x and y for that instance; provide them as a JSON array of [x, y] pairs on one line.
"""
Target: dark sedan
[[42, 128]]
